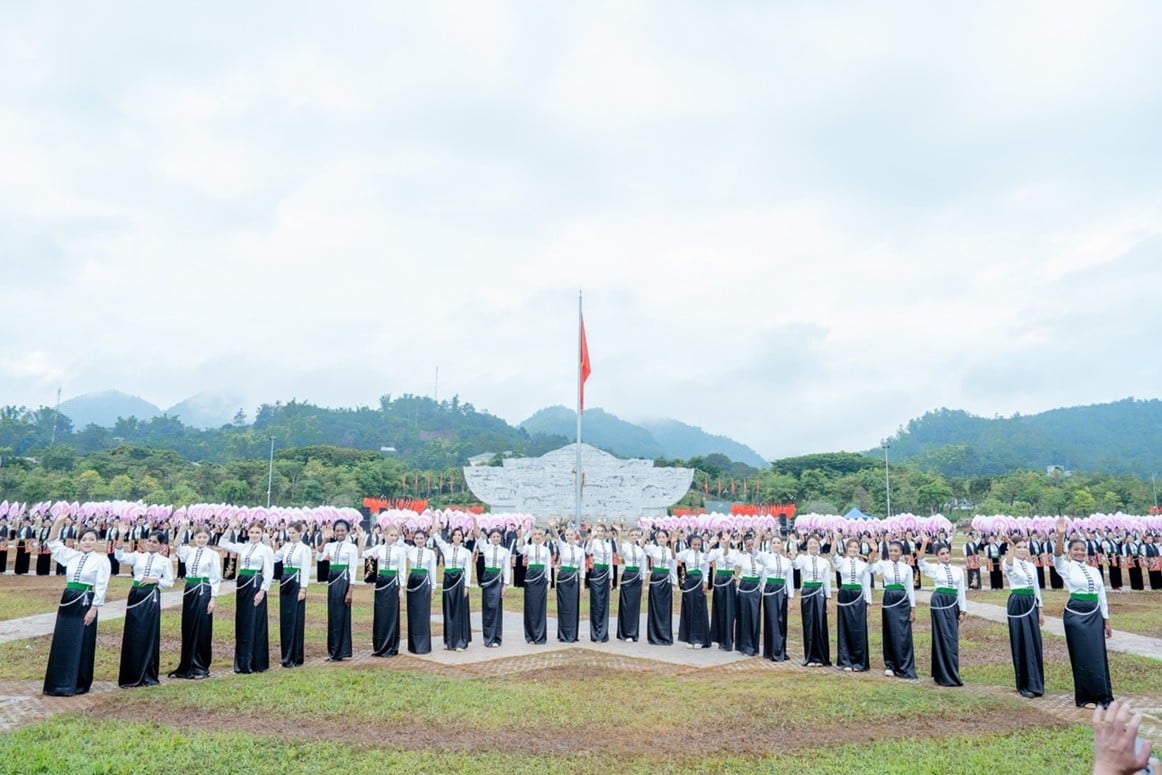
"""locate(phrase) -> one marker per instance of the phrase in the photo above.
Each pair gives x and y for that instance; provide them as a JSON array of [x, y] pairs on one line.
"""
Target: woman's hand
[[302, 595], [210, 606], [1109, 630], [90, 615], [259, 596]]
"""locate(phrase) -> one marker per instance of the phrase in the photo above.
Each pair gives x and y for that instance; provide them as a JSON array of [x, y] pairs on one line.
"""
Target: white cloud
[[797, 224]]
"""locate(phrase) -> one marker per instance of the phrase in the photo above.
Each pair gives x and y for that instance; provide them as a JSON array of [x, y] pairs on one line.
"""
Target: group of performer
[[734, 592], [1121, 558]]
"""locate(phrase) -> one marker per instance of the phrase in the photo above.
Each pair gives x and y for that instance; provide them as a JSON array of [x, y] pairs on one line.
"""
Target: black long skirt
[[1135, 578], [896, 629], [746, 624], [3, 560], [385, 616], [197, 632], [599, 605], [1041, 576], [74, 646], [660, 617], [816, 641], [1025, 644], [536, 602], [141, 641], [1085, 637], [1115, 577], [292, 617], [492, 606], [945, 639], [568, 606], [457, 622], [724, 612], [1055, 581], [20, 567], [851, 642], [694, 619], [115, 565], [775, 620], [43, 564], [251, 632], [419, 613], [1155, 579], [629, 605], [996, 578], [338, 616]]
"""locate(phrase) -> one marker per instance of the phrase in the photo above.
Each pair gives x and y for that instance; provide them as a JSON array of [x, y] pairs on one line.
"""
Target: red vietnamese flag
[[586, 369]]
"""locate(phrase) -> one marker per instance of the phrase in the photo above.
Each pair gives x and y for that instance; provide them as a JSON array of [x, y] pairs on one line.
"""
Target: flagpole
[[580, 387]]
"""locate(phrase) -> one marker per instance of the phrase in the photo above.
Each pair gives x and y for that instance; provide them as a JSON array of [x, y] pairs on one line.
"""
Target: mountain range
[[204, 410]]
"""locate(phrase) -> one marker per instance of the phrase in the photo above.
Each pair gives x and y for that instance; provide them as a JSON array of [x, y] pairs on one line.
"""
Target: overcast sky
[[797, 224]]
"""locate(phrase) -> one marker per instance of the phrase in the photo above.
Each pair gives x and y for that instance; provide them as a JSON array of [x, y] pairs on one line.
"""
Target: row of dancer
[[750, 591]]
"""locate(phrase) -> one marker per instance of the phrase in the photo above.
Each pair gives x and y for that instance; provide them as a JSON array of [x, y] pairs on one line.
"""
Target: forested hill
[[1120, 437]]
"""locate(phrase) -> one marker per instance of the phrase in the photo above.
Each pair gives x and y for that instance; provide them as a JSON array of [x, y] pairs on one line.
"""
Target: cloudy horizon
[[796, 225]]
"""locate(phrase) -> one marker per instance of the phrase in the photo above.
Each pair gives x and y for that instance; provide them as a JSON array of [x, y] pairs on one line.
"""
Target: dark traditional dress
[[141, 641], [599, 585], [851, 613], [203, 577], [896, 618], [694, 618], [539, 560], [419, 598], [724, 599], [629, 596], [454, 601], [74, 645], [945, 606], [569, 583], [1025, 628], [816, 574], [777, 592], [296, 559], [1085, 616], [251, 631]]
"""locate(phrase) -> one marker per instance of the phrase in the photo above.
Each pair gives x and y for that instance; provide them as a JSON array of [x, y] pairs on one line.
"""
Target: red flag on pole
[[586, 369]]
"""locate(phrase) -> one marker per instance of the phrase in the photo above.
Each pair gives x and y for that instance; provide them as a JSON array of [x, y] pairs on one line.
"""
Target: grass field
[[575, 711]]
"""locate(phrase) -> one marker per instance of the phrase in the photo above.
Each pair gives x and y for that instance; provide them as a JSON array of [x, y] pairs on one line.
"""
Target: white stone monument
[[611, 487]]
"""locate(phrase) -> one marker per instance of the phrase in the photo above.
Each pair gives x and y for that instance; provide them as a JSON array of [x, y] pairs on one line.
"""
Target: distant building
[[1056, 470], [483, 459]]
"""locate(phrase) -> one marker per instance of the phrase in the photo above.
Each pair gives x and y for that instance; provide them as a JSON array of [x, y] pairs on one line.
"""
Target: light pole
[[270, 473], [1155, 486], [887, 476]]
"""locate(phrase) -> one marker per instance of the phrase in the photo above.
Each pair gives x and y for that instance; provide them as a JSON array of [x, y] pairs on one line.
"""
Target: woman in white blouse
[[570, 577], [600, 552], [255, 574], [141, 641], [496, 578], [815, 572], [725, 597], [343, 558], [852, 607], [748, 601], [694, 619], [629, 596], [203, 578], [391, 557], [778, 589], [539, 561], [1086, 620], [296, 560], [420, 588], [898, 613], [663, 576], [458, 561], [1025, 619], [947, 607], [74, 636]]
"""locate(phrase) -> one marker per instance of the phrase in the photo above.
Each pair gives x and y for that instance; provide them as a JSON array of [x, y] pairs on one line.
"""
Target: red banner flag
[[586, 368]]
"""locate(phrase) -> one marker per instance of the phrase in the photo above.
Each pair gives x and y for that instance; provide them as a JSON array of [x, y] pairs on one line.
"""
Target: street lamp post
[[1155, 486], [270, 473], [887, 476]]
